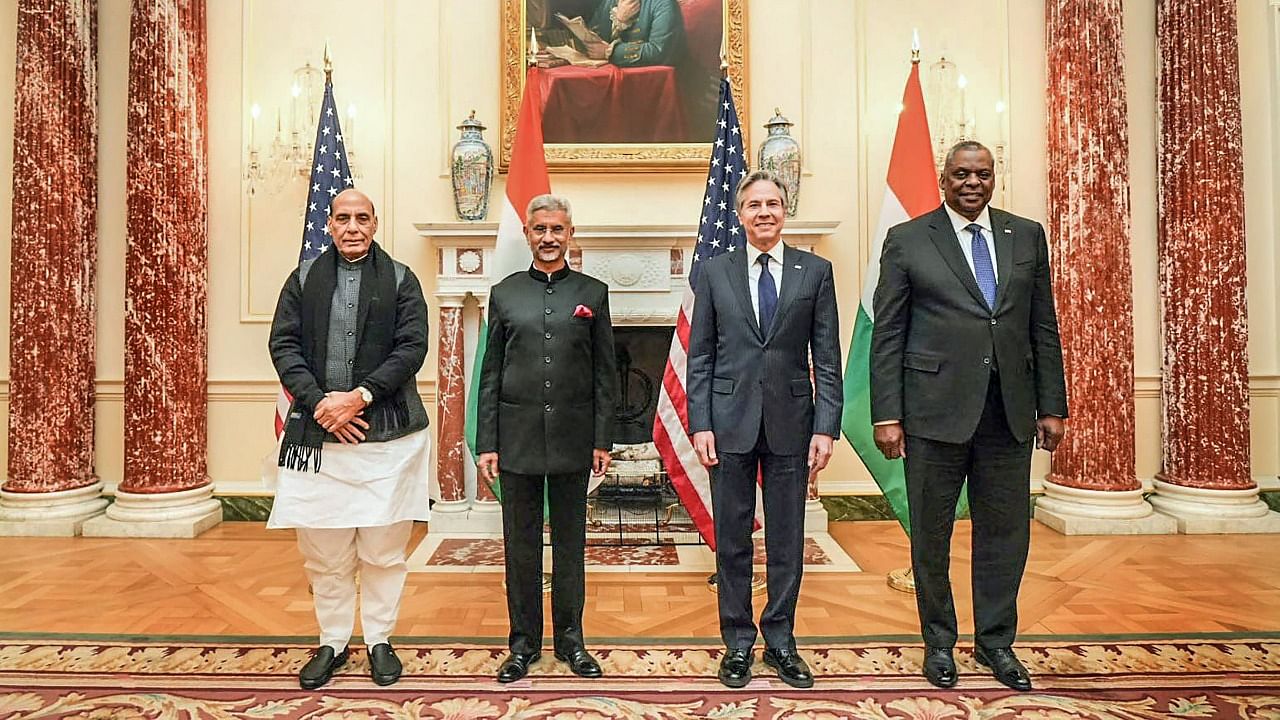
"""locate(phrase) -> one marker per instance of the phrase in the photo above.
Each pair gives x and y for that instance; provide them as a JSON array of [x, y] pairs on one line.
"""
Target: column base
[[1077, 511], [52, 514], [815, 516], [182, 514], [1199, 511]]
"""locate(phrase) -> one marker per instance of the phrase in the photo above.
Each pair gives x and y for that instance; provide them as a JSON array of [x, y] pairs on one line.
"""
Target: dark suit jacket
[[935, 339], [547, 382], [738, 378]]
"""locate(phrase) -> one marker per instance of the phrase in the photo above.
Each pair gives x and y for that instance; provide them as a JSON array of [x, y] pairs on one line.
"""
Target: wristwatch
[[365, 395]]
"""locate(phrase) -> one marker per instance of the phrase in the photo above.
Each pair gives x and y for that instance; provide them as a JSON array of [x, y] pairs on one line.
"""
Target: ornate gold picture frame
[[662, 117]]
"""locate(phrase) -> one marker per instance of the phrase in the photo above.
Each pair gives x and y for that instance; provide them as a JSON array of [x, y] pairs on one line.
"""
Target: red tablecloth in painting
[[610, 104]]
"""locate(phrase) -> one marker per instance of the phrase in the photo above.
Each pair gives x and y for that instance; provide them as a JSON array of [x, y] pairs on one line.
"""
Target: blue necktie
[[983, 271], [767, 293]]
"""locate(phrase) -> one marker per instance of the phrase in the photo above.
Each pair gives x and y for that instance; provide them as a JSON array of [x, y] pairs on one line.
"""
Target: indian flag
[[526, 179], [912, 191]]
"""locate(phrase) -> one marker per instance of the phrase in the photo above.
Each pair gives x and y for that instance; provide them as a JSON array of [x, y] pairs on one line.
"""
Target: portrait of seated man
[[627, 71], [640, 32]]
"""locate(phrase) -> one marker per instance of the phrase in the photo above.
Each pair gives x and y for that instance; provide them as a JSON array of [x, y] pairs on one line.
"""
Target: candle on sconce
[[1000, 107], [254, 112], [350, 130]]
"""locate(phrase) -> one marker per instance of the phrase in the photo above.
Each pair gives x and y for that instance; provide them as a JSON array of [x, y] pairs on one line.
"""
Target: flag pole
[[903, 579], [759, 582]]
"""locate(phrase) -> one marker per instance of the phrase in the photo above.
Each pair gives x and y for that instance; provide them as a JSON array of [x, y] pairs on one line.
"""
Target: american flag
[[330, 175], [718, 232]]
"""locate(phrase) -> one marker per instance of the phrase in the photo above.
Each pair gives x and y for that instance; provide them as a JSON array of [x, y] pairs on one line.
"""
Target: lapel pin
[[1007, 231], [798, 267]]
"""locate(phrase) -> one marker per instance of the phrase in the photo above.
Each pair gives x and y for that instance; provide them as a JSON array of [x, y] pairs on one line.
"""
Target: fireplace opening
[[635, 503]]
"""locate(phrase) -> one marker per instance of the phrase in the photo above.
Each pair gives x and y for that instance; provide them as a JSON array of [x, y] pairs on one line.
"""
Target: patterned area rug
[[1111, 679], [483, 553]]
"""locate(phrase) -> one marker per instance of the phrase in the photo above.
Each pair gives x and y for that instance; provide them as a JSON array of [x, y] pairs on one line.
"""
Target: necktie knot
[[763, 259], [974, 228]]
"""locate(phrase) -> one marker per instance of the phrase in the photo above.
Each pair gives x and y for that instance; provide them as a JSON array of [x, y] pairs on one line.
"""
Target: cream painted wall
[[415, 69]]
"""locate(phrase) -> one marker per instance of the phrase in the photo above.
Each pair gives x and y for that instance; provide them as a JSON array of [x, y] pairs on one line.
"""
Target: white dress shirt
[[965, 238], [753, 272]]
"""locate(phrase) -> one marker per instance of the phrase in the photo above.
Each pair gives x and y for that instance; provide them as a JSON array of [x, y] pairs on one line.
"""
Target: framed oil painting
[[626, 85]]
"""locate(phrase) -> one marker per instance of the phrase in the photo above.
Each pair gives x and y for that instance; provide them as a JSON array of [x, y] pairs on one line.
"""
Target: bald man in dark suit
[[966, 374]]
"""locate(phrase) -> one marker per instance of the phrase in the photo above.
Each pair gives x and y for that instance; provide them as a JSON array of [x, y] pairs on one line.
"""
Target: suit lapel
[[792, 277], [737, 270], [944, 238], [1004, 253]]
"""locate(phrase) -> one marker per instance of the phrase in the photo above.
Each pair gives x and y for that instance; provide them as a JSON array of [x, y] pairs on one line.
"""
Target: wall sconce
[[950, 119], [288, 158]]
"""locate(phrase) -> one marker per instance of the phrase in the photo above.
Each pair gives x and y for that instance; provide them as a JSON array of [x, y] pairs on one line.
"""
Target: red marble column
[[1205, 484], [54, 260], [55, 238], [450, 410], [167, 257], [485, 498], [166, 490], [1205, 387], [1088, 225], [1092, 487]]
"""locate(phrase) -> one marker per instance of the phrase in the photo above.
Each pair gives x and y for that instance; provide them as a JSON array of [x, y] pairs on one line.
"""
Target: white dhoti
[[355, 516]]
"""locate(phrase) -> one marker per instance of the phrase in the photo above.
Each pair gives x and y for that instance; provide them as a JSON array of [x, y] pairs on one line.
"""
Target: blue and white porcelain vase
[[472, 171], [780, 154]]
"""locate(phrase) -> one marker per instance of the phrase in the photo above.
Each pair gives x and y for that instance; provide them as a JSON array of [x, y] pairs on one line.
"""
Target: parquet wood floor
[[240, 579]]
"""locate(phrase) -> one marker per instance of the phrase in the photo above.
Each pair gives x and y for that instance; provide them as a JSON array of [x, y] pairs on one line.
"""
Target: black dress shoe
[[319, 669], [516, 666], [1005, 666], [735, 668], [790, 667], [581, 663], [940, 666], [384, 666]]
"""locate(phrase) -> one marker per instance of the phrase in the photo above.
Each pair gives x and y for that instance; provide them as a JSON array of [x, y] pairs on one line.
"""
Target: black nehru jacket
[[547, 385]]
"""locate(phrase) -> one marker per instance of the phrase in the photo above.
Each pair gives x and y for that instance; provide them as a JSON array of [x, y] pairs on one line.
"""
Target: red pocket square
[[583, 311]]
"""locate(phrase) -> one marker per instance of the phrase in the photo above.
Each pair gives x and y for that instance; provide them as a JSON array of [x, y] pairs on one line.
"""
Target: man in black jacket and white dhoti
[[349, 334]]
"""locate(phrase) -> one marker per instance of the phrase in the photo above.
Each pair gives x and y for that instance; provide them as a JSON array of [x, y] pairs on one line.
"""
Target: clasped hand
[[339, 413]]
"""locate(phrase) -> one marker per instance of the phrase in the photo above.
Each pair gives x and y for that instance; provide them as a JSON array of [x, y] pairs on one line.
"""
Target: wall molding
[[219, 391]]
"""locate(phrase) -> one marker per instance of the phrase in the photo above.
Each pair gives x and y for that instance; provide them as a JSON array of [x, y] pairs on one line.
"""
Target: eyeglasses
[[557, 230]]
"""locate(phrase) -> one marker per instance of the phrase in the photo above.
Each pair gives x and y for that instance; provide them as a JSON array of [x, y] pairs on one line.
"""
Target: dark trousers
[[999, 469], [733, 501], [522, 514]]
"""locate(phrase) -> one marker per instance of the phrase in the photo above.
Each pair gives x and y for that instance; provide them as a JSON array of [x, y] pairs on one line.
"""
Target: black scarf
[[375, 338]]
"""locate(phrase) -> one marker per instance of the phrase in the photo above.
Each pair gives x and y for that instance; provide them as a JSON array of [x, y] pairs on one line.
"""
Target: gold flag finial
[[915, 46], [328, 65]]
